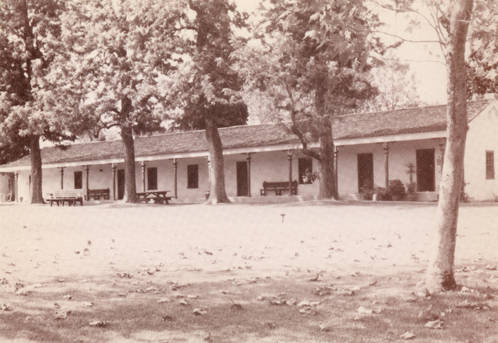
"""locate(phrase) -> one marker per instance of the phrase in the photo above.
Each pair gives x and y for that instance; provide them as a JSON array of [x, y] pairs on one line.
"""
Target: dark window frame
[[192, 176], [78, 180], [304, 163], [490, 165], [151, 178]]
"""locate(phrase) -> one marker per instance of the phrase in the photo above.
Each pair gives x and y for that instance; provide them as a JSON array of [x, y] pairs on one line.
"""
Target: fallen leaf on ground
[[59, 315], [326, 327], [434, 324], [315, 278], [198, 311], [98, 323], [407, 335], [270, 325], [236, 307], [364, 310], [124, 275], [323, 291]]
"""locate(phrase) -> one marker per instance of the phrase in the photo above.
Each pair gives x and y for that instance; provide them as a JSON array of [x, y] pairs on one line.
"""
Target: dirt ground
[[305, 272]]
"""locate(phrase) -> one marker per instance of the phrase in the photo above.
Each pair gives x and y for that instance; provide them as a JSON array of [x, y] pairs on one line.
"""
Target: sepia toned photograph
[[240, 171]]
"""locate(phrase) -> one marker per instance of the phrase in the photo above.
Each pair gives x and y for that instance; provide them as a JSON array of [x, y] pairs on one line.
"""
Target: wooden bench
[[72, 198], [97, 194], [278, 187], [158, 197]]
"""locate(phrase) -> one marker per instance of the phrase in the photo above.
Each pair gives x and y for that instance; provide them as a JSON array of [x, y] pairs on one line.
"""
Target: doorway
[[121, 183], [425, 170], [365, 172], [242, 179]]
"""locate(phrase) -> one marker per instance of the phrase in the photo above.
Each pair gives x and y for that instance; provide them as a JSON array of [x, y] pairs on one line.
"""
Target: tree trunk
[[440, 274], [36, 171], [130, 182], [327, 177], [217, 193]]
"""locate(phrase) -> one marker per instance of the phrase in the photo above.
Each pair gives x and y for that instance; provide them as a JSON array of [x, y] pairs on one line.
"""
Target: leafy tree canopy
[[208, 84]]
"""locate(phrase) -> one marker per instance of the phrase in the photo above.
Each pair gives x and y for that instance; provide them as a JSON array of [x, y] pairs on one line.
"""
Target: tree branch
[[405, 39], [295, 129]]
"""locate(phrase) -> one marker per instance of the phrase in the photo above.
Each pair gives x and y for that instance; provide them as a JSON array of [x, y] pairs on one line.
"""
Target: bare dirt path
[[245, 268]]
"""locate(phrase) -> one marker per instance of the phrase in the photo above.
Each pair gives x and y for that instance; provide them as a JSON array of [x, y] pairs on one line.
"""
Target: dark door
[[365, 171], [425, 170], [121, 183], [242, 180]]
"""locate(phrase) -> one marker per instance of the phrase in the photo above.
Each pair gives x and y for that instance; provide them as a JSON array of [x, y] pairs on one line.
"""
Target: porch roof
[[364, 125]]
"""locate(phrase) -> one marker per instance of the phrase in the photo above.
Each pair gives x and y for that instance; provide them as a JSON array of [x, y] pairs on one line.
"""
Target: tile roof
[[412, 120]]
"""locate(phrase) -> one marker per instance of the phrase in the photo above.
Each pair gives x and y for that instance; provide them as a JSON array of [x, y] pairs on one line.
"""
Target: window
[[490, 164], [305, 168], [78, 180], [151, 178], [193, 176]]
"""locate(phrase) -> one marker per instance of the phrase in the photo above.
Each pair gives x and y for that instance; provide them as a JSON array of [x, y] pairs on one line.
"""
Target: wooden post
[[114, 182], [62, 177], [16, 186], [87, 186], [386, 163], [249, 174], [336, 171], [175, 168], [143, 175], [289, 157]]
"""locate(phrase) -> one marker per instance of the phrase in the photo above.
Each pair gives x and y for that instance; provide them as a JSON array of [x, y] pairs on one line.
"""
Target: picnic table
[[59, 198], [159, 197]]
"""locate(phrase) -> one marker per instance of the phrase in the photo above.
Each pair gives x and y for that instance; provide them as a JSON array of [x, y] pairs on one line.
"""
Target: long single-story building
[[371, 149]]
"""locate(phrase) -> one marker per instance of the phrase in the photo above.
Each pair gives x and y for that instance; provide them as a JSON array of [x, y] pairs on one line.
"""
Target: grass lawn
[[307, 272]]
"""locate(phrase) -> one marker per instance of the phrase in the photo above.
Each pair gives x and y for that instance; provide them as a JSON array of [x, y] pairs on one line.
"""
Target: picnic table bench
[[279, 187], [159, 197], [72, 198], [97, 194]]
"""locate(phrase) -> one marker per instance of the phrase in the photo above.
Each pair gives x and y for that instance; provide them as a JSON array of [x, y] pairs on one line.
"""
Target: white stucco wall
[[5, 191], [400, 155], [481, 137]]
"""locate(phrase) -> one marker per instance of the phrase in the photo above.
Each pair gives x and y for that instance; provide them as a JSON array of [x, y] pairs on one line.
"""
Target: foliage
[[396, 88], [207, 83], [411, 188], [314, 60], [482, 61], [29, 43], [226, 115], [396, 189], [118, 54]]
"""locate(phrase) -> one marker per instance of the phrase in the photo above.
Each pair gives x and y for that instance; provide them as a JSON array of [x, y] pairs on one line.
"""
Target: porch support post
[[16, 186], [249, 174], [336, 170], [87, 186], [386, 163], [143, 175], [175, 168], [289, 157], [62, 177], [114, 182]]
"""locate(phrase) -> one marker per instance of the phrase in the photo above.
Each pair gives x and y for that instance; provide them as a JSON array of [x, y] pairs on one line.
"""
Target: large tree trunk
[[440, 274], [36, 171], [217, 193], [130, 181], [327, 177]]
